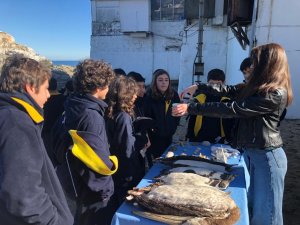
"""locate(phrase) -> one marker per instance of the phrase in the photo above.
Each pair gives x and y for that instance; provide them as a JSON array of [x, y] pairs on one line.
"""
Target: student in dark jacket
[[85, 114], [139, 104], [53, 109], [30, 192], [258, 108], [159, 102], [205, 128], [142, 141], [120, 98]]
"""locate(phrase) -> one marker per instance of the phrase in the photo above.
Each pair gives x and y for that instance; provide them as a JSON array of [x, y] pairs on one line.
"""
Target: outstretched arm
[[189, 90]]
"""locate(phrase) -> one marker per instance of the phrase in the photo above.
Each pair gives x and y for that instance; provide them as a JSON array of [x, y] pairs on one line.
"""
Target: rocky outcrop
[[8, 47], [62, 74]]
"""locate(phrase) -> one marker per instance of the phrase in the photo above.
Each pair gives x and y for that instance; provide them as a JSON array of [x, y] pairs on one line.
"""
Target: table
[[237, 188]]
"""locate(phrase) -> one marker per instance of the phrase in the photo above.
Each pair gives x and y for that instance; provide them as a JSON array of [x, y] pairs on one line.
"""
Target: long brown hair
[[120, 96], [156, 94], [270, 71]]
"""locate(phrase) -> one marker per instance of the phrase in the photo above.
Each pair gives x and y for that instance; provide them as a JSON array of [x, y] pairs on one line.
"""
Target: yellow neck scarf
[[167, 104], [32, 112]]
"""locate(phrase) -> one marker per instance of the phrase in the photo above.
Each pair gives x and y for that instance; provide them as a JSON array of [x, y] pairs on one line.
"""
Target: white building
[[144, 35]]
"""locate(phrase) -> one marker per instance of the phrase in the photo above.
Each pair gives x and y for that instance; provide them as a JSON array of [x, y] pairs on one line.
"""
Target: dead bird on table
[[184, 204]]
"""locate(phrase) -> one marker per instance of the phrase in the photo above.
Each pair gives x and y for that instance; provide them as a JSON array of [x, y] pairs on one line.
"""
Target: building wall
[[159, 49], [133, 48], [214, 53], [173, 45], [278, 21], [235, 55], [170, 45]]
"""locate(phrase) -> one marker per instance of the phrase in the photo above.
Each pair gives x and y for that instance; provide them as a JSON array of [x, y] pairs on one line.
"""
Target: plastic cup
[[173, 105]]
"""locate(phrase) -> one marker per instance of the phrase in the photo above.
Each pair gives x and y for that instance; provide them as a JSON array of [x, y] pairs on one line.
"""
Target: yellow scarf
[[32, 112], [167, 103], [87, 155], [198, 123]]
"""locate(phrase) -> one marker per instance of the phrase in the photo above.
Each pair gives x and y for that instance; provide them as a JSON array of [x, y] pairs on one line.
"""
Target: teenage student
[[258, 107], [204, 128], [30, 191], [159, 100]]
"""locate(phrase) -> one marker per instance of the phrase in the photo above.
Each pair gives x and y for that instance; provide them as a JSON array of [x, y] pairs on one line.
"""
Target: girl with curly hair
[[120, 99]]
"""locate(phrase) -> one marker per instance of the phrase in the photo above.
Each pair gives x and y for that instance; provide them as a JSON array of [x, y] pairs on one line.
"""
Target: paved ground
[[290, 130]]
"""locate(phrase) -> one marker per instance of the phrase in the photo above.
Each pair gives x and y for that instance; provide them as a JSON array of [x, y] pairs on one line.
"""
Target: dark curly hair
[[120, 96], [92, 74], [19, 70]]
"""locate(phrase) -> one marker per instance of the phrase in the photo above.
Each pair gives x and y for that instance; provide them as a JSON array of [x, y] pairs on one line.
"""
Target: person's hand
[[180, 110], [188, 91]]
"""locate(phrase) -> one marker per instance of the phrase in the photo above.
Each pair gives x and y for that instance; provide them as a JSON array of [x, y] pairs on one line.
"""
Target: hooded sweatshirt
[[85, 113], [30, 192]]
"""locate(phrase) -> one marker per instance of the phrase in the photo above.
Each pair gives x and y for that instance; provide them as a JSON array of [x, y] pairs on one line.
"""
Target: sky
[[56, 29]]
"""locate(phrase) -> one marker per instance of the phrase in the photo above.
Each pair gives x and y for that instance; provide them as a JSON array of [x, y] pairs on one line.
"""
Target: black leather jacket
[[258, 115]]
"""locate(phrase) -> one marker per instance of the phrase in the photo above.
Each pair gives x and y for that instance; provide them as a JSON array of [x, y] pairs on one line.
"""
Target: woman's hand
[[180, 110], [190, 90]]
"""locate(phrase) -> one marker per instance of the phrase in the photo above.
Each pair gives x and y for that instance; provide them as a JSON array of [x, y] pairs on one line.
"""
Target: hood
[[77, 104], [23, 102]]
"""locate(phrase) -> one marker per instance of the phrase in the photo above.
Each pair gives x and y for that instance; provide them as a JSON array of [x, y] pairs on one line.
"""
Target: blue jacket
[[85, 113], [122, 144], [30, 192]]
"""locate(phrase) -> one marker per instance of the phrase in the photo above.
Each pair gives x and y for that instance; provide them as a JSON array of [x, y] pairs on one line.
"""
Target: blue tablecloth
[[237, 188]]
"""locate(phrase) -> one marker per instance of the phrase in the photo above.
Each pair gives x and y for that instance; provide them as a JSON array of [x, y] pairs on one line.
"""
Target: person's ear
[[30, 89]]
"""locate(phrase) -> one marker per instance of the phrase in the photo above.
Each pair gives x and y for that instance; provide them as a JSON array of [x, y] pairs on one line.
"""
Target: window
[[167, 10]]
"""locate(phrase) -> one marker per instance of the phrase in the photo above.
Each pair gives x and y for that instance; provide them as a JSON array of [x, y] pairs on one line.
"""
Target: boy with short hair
[[210, 129], [246, 69], [30, 192]]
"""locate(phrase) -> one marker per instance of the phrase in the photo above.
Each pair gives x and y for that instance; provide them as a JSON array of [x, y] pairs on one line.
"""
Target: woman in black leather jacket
[[258, 106]]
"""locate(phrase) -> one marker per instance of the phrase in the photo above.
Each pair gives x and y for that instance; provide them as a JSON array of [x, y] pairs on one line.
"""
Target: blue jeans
[[267, 169]]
